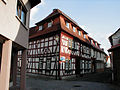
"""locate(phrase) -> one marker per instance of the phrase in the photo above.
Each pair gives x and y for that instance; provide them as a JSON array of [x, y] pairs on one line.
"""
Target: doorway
[[77, 67]]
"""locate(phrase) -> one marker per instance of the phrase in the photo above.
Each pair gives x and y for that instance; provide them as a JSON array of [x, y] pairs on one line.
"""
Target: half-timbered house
[[58, 47]]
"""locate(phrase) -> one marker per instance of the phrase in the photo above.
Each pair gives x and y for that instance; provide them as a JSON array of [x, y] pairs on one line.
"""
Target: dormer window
[[74, 29], [49, 24], [79, 32], [40, 27], [84, 36], [67, 24]]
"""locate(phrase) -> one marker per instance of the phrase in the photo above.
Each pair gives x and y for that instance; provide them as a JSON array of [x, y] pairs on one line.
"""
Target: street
[[97, 81]]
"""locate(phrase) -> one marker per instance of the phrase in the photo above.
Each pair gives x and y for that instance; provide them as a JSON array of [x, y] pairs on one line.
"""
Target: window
[[40, 27], [48, 64], [40, 64], [68, 65], [70, 43], [73, 44], [67, 24], [79, 32], [84, 36], [74, 29], [21, 12], [50, 24]]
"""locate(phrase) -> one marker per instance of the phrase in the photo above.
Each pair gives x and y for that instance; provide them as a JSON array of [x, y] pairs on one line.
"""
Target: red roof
[[35, 33]]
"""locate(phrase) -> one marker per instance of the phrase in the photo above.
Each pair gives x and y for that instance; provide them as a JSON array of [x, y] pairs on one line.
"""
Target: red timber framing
[[74, 56], [55, 49]]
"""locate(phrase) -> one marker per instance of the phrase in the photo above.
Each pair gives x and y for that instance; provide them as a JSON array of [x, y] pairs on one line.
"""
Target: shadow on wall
[[22, 36], [0, 55]]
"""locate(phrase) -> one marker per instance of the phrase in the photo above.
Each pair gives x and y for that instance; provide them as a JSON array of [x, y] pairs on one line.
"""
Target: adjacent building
[[14, 33], [114, 52], [58, 47]]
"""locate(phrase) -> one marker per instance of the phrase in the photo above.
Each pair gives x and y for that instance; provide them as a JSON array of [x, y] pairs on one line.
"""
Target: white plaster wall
[[10, 26]]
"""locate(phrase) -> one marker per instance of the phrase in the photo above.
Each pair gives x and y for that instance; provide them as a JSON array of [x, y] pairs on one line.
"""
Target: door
[[77, 66]]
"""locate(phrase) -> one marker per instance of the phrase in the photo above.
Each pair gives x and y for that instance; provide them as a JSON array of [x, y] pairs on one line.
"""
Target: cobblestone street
[[37, 84], [97, 81]]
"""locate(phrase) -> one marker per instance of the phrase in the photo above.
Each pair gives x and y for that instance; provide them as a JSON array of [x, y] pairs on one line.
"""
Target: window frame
[[74, 29], [79, 32], [84, 36], [21, 11], [50, 24], [41, 27], [67, 24]]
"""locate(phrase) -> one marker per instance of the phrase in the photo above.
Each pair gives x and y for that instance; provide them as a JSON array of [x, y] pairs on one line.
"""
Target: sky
[[99, 18]]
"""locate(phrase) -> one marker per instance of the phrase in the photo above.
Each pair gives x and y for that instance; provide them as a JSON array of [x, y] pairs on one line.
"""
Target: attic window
[[40, 27], [50, 24], [67, 24], [74, 29], [79, 32], [84, 36]]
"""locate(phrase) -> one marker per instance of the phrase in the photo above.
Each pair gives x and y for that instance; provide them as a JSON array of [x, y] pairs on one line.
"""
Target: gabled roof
[[110, 37], [58, 12], [34, 33]]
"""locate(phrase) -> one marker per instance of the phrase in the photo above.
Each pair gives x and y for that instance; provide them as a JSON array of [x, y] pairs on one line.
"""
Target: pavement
[[38, 84], [94, 81]]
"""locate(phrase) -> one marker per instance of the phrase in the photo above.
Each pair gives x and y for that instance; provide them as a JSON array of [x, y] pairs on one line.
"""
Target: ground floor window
[[48, 65], [85, 66]]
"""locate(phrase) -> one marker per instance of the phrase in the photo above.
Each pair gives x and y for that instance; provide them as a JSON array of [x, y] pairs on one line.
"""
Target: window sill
[[22, 23]]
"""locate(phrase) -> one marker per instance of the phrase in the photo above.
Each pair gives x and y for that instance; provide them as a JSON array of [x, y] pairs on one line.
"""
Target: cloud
[[33, 12], [36, 9]]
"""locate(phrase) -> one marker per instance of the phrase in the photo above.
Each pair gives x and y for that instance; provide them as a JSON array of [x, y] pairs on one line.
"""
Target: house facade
[[14, 33], [58, 47], [114, 52]]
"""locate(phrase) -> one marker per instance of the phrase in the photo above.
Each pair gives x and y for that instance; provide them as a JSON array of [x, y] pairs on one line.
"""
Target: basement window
[[21, 12]]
